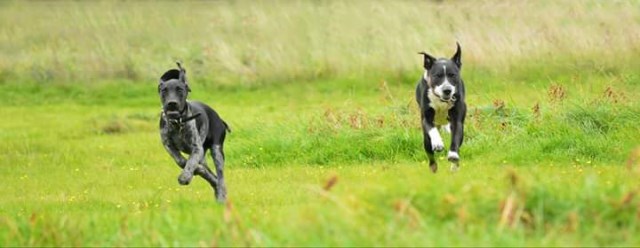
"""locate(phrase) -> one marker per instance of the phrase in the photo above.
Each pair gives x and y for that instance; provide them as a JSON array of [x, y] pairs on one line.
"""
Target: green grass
[[84, 166], [369, 205], [326, 145]]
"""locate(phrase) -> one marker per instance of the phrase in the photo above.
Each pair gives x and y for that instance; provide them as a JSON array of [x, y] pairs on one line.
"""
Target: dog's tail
[[226, 126]]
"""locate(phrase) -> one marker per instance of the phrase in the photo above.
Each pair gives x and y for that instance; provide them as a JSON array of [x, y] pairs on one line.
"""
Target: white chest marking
[[440, 108]]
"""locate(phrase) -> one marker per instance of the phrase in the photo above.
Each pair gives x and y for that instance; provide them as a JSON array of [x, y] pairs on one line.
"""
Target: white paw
[[453, 157], [436, 141], [437, 145]]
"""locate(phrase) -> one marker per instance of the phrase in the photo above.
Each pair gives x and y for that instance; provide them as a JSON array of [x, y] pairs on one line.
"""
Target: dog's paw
[[453, 157], [220, 193], [436, 140], [437, 145], [433, 167], [185, 178], [221, 197]]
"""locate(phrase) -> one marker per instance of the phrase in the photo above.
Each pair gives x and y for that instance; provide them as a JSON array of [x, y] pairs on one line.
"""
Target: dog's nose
[[446, 92], [172, 105]]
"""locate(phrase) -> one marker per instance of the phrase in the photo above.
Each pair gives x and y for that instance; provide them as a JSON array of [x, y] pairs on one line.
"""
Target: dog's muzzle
[[447, 93], [172, 114], [172, 110]]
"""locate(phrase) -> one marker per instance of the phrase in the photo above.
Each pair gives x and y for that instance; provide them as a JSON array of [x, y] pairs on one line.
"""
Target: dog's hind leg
[[206, 173], [218, 158], [447, 128]]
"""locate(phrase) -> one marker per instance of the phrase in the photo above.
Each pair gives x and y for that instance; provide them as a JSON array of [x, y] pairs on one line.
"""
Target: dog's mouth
[[444, 98], [172, 114]]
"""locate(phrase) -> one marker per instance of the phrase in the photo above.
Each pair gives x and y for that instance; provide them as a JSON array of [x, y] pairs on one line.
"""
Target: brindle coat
[[192, 128]]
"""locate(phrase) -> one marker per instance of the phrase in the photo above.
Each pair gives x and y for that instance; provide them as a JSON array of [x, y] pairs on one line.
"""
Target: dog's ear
[[161, 84], [161, 81], [183, 75], [457, 58], [428, 60]]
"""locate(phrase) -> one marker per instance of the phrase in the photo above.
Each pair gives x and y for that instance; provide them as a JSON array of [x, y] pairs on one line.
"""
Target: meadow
[[326, 146]]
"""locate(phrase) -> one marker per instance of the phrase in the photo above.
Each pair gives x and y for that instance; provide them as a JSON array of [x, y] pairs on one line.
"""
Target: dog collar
[[451, 100], [182, 120]]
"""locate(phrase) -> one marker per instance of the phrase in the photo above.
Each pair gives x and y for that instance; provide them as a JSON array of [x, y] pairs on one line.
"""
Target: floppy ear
[[428, 60], [183, 75], [457, 58], [160, 82]]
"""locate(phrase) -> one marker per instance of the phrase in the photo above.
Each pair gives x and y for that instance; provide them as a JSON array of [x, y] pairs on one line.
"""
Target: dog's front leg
[[429, 146], [174, 152], [437, 144], [191, 165], [457, 132], [195, 156], [457, 135]]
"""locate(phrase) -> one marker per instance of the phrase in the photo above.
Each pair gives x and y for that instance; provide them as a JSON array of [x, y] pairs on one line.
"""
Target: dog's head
[[443, 75], [173, 90]]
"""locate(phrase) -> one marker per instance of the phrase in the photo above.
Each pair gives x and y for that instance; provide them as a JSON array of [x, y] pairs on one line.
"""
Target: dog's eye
[[451, 75], [179, 90]]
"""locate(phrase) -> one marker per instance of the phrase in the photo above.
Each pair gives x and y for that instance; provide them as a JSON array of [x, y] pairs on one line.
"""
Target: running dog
[[192, 128], [440, 95]]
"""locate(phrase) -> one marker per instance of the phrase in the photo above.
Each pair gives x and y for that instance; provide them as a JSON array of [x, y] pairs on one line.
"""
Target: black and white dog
[[440, 95], [193, 128]]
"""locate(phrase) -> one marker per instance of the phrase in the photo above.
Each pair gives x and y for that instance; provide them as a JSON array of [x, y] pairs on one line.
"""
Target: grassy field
[[326, 145]]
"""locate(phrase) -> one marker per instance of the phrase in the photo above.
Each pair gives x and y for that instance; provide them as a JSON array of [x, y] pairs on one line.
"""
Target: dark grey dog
[[440, 94], [193, 128]]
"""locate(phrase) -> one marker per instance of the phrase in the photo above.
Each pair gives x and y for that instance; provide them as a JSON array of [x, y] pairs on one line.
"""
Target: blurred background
[[264, 42]]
